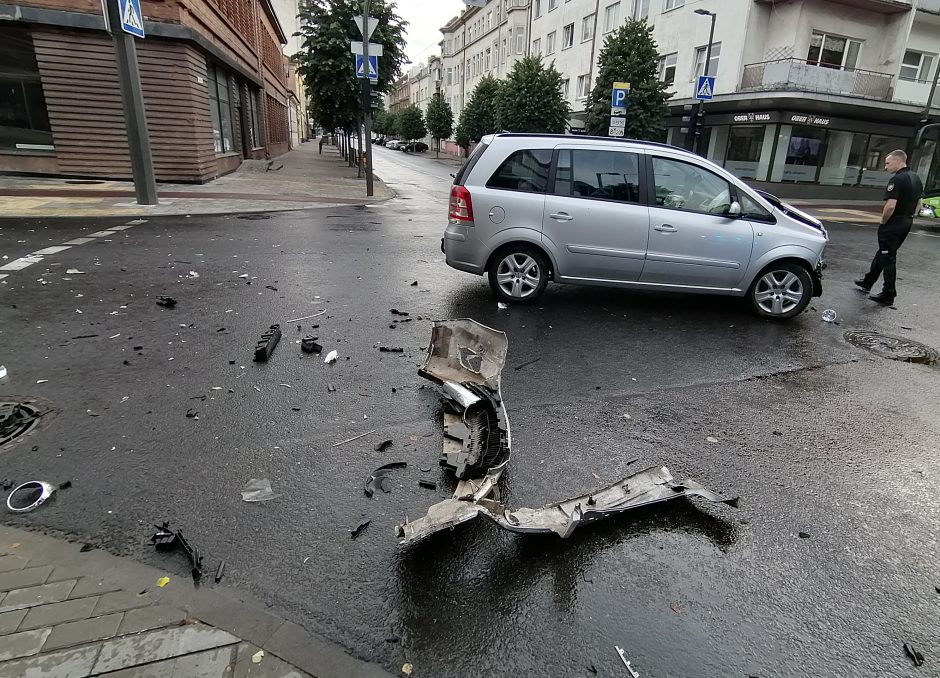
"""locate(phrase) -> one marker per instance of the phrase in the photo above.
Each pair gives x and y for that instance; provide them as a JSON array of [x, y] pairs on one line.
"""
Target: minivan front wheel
[[519, 274], [781, 291]]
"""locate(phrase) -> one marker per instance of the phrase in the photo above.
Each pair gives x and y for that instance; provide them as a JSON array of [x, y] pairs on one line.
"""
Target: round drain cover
[[20, 416], [894, 348]]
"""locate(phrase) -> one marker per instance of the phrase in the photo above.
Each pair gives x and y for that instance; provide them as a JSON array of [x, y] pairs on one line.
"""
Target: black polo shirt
[[905, 187]]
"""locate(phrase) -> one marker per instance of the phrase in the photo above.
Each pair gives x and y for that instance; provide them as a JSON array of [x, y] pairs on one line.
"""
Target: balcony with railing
[[798, 75], [880, 6]]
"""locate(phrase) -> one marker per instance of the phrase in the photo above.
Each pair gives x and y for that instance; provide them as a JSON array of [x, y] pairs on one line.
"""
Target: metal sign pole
[[367, 96], [132, 98]]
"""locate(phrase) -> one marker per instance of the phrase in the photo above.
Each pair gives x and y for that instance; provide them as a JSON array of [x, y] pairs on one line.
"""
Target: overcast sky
[[425, 18]]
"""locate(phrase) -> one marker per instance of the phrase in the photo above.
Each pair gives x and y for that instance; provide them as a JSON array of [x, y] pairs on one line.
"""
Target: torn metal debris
[[466, 360], [165, 540]]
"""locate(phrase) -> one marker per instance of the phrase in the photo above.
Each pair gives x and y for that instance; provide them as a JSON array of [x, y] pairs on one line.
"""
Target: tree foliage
[[532, 100], [629, 55], [439, 118], [383, 122], [411, 123], [479, 116], [461, 136], [328, 68]]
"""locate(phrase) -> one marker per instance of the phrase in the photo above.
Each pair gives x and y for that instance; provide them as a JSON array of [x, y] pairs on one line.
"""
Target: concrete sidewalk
[[65, 613], [300, 179]]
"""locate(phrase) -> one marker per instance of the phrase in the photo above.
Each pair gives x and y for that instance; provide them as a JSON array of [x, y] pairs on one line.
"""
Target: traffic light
[[693, 125], [376, 100]]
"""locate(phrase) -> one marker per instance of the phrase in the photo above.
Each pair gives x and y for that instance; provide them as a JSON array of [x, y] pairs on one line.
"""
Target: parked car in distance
[[380, 140], [414, 147], [393, 144], [526, 209]]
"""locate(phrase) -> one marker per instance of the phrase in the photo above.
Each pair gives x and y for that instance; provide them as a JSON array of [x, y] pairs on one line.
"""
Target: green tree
[[380, 122], [479, 116], [391, 124], [327, 67], [440, 120], [532, 100], [411, 124], [462, 137], [629, 55]]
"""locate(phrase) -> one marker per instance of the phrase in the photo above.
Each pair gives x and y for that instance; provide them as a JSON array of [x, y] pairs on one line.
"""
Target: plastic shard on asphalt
[[466, 360]]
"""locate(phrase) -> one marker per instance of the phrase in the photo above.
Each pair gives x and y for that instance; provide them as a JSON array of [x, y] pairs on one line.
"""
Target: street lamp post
[[708, 57]]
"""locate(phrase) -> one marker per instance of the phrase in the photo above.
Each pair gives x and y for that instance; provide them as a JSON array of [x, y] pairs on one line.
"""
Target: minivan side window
[[601, 175], [683, 186], [523, 171], [751, 209]]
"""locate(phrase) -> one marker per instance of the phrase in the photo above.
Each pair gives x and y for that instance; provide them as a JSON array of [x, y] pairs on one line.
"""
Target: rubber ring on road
[[29, 489]]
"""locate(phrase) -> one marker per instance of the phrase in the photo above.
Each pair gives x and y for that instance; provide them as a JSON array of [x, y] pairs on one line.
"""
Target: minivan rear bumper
[[463, 250]]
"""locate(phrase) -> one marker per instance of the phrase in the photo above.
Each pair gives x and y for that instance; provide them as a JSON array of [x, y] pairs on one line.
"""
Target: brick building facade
[[214, 79]]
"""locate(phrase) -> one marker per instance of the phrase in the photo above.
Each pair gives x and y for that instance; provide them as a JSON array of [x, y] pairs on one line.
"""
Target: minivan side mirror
[[734, 210]]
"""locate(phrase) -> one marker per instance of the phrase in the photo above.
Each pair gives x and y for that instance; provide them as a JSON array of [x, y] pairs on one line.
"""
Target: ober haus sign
[[753, 117], [809, 120]]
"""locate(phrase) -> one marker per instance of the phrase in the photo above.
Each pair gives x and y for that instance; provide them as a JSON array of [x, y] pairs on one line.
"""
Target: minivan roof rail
[[585, 136]]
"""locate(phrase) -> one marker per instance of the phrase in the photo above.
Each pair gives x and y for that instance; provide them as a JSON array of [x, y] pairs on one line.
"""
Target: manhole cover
[[20, 416], [894, 348]]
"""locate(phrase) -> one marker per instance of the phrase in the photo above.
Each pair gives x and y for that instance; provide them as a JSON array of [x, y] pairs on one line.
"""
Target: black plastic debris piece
[[428, 484], [219, 573], [270, 287], [393, 639], [360, 528], [395, 311], [309, 344], [191, 413], [85, 336], [804, 535], [166, 302], [916, 656], [138, 348], [221, 329], [414, 284], [265, 346], [296, 409], [376, 479], [165, 540], [331, 388], [384, 445], [527, 363], [391, 349], [86, 548], [66, 485]]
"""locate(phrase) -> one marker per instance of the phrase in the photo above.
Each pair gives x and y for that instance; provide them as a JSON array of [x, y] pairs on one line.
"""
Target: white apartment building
[[810, 94]]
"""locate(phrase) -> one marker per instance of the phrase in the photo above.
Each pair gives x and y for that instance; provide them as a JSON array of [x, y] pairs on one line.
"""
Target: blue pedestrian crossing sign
[[132, 19], [373, 67], [705, 88]]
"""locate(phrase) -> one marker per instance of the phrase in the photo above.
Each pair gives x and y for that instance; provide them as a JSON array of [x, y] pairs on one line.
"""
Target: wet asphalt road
[[815, 436]]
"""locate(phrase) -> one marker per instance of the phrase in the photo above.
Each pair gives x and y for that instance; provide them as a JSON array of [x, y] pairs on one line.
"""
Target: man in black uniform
[[902, 200]]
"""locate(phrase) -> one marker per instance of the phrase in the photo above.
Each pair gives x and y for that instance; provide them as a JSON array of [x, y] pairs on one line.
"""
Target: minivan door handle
[[665, 228], [561, 216]]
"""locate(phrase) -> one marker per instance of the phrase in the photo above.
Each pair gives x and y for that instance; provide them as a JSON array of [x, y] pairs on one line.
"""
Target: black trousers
[[890, 237]]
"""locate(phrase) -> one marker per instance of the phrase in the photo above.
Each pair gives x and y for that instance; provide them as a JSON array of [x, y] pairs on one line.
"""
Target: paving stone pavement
[[65, 613]]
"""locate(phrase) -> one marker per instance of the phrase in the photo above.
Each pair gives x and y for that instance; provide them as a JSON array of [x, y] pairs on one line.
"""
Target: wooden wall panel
[[79, 78]]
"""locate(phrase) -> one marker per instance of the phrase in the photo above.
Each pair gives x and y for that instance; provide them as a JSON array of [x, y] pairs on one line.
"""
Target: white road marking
[[929, 235], [80, 241], [101, 234], [121, 228], [53, 250], [21, 263]]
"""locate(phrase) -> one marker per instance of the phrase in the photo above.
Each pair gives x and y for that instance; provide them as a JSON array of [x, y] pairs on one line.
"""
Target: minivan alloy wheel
[[778, 292], [519, 275]]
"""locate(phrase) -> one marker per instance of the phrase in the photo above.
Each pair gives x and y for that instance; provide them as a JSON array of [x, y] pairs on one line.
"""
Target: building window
[[567, 36], [916, 66], [489, 20], [587, 27], [672, 4], [552, 4], [564, 87], [583, 86], [220, 109], [254, 118], [667, 67], [537, 46], [486, 59], [700, 60], [611, 17], [550, 43], [24, 122], [520, 40], [833, 51], [746, 148], [641, 9], [538, 8]]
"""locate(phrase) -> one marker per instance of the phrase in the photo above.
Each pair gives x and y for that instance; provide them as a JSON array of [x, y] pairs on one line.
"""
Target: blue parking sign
[[132, 19], [620, 93]]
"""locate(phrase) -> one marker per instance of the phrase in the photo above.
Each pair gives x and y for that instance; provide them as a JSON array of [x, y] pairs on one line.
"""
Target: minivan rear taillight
[[461, 206]]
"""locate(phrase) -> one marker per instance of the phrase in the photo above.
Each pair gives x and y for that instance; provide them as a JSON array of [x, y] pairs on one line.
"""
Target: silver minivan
[[529, 208]]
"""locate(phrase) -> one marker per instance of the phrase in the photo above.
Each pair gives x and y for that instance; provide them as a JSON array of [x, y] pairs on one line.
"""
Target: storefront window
[[845, 153], [799, 151], [873, 173], [220, 109], [746, 149], [24, 122]]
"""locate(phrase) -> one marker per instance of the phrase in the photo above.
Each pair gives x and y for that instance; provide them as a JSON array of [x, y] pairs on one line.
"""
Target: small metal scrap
[[307, 317], [219, 573], [165, 540], [349, 440], [265, 346], [623, 658]]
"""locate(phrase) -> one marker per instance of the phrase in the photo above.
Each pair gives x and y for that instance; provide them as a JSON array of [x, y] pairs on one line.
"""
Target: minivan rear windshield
[[461, 177]]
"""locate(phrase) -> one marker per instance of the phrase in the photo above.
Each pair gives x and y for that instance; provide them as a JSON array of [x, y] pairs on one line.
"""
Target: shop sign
[[800, 119], [752, 117]]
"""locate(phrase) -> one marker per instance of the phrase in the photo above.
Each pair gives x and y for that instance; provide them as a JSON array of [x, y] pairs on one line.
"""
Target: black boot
[[862, 285], [883, 298]]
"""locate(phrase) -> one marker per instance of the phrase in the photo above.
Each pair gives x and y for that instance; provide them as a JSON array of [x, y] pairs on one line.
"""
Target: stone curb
[[242, 617]]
